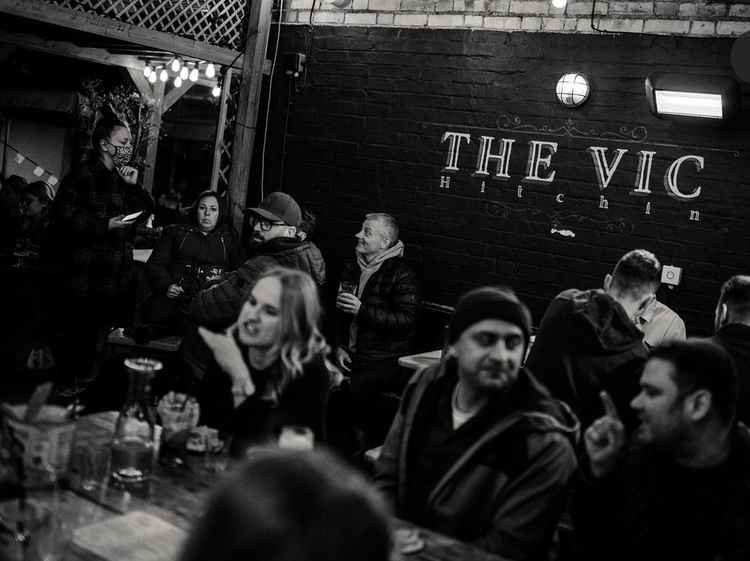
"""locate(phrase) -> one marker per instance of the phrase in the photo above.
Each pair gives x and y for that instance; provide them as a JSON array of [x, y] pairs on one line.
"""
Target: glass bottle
[[133, 442]]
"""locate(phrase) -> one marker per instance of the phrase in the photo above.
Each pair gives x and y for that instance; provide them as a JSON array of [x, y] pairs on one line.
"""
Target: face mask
[[122, 155]]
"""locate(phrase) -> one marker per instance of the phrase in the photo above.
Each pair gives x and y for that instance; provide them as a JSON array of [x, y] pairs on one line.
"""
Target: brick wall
[[364, 134], [698, 19]]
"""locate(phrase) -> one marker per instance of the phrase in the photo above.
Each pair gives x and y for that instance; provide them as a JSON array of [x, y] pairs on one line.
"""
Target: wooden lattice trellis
[[217, 22], [228, 119]]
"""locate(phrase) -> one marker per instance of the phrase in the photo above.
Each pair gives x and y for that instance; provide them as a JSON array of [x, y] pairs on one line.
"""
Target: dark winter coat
[[386, 322], [183, 249], [651, 508], [507, 489], [95, 260], [217, 307], [586, 343], [735, 338]]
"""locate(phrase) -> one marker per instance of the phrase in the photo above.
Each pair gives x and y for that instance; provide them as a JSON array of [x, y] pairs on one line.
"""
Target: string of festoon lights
[[179, 70], [38, 170]]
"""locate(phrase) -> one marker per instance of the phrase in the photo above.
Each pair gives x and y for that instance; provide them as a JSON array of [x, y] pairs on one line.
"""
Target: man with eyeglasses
[[274, 243]]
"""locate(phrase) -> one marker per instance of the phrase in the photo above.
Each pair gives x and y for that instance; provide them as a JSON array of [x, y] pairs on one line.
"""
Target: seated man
[[377, 312], [478, 449], [733, 333], [682, 489], [588, 340]]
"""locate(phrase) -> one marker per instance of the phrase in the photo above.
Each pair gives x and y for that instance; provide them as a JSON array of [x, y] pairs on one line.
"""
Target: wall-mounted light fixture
[[679, 96], [572, 89]]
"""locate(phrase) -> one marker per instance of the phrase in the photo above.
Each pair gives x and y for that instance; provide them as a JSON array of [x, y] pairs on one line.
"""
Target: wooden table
[[415, 362], [178, 496]]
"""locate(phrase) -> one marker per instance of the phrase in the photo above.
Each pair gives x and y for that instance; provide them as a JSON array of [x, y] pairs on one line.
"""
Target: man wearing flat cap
[[274, 244], [478, 449]]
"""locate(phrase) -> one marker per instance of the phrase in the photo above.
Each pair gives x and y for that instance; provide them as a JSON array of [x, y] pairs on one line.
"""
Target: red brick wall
[[365, 133]]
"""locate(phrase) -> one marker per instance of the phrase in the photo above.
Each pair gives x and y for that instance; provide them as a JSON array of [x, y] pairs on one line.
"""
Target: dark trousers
[[376, 387]]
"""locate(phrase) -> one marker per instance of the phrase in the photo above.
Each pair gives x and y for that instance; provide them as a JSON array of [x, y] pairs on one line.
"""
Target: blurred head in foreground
[[292, 505]]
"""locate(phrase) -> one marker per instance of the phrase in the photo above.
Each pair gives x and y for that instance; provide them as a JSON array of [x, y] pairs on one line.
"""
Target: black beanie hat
[[489, 302]]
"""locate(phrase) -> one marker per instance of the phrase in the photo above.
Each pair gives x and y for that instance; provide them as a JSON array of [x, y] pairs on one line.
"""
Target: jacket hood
[[603, 321], [291, 252]]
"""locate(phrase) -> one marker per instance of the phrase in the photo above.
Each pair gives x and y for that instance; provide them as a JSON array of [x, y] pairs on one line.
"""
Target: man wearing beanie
[[478, 449]]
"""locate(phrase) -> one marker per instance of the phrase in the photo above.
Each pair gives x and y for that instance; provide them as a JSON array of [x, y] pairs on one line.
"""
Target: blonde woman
[[271, 368]]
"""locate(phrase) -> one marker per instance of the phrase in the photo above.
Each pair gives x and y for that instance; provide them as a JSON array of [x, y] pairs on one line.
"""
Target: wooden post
[[258, 28], [221, 126]]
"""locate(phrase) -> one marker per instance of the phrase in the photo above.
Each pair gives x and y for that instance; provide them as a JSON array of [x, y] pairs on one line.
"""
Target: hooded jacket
[[217, 307], [586, 343], [507, 489]]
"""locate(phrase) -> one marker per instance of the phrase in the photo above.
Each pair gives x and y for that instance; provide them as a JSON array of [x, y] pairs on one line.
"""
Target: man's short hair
[[389, 224], [637, 273], [735, 293], [700, 364]]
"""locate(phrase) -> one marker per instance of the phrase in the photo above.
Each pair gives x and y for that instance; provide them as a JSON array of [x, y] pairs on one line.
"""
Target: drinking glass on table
[[297, 437]]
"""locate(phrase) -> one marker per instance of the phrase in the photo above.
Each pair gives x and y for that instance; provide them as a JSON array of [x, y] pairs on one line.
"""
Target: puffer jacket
[[585, 344], [183, 249], [507, 490], [387, 318], [217, 307]]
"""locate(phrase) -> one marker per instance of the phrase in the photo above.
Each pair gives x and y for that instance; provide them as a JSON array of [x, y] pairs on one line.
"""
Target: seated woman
[[271, 366], [34, 205], [187, 259], [284, 505]]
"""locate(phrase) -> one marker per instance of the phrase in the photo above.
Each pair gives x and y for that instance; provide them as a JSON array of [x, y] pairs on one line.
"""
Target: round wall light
[[572, 90]]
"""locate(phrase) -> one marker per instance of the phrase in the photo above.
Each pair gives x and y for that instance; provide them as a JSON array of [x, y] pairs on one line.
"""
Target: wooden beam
[[46, 12], [258, 28], [141, 84], [154, 126], [71, 50], [175, 94]]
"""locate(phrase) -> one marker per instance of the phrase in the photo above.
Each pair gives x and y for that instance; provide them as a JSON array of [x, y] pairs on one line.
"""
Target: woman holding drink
[[271, 369]]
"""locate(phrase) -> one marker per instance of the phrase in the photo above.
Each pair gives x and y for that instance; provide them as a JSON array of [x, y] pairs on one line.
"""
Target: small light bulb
[[184, 72], [216, 91], [175, 64], [559, 3], [210, 70], [163, 75], [147, 71], [193, 75], [152, 77], [177, 81]]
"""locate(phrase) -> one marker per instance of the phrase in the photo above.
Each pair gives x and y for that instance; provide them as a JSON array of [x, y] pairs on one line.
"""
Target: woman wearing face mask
[[188, 258], [271, 366], [92, 242]]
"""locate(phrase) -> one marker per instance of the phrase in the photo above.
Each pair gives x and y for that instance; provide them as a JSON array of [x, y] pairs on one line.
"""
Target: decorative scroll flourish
[[513, 123], [637, 134]]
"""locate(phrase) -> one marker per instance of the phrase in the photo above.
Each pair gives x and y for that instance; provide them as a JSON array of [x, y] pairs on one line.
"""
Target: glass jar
[[134, 439]]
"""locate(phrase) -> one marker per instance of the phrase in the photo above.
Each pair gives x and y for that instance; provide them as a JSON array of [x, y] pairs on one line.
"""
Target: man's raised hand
[[605, 439]]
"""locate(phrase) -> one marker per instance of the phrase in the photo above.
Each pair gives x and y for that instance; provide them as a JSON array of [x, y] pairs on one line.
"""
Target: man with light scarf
[[377, 304]]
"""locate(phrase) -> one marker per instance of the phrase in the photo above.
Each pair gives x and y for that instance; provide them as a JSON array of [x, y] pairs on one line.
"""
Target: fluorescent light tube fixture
[[692, 98]]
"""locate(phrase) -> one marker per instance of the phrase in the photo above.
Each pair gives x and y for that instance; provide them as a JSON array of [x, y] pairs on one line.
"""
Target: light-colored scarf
[[366, 271]]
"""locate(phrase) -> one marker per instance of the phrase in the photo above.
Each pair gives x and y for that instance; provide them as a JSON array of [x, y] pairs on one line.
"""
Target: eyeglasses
[[266, 225]]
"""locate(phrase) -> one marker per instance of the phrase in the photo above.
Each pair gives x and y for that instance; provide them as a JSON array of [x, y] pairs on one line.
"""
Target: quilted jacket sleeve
[[398, 312]]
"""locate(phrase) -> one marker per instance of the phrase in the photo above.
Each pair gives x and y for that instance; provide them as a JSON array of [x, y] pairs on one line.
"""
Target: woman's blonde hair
[[300, 339]]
